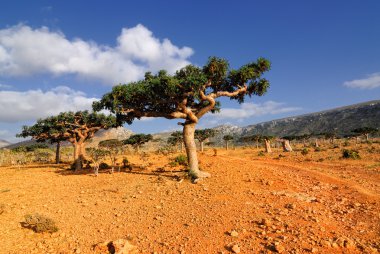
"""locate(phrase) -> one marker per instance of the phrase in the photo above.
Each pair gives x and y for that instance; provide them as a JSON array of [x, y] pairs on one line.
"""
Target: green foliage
[[317, 149], [179, 160], [305, 151], [350, 154], [365, 130], [261, 153], [192, 87], [104, 165], [138, 139], [175, 138], [228, 137], [39, 223], [202, 135]]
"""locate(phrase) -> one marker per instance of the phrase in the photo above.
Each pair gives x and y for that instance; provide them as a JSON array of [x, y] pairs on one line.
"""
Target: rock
[[235, 248], [279, 248], [233, 233], [120, 246], [290, 206]]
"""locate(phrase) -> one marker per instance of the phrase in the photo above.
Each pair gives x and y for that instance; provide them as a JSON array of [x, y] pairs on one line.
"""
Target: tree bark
[[58, 153], [191, 152], [366, 137], [286, 146], [268, 149], [226, 144], [201, 143], [316, 143], [78, 155]]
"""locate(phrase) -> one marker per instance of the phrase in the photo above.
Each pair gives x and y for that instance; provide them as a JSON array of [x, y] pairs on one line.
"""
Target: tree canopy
[[138, 140], [188, 94]]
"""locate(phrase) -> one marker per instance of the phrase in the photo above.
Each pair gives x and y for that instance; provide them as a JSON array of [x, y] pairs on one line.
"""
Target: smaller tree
[[252, 138], [267, 140], [96, 156], [227, 139], [204, 135], [365, 131], [175, 139], [138, 140], [114, 147]]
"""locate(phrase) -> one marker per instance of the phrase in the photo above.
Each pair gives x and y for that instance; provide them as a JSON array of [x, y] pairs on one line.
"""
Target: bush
[[317, 149], [305, 151], [350, 154], [261, 153], [39, 223], [181, 159], [104, 165]]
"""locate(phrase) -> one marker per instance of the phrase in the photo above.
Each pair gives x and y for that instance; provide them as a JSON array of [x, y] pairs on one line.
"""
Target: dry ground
[[316, 203]]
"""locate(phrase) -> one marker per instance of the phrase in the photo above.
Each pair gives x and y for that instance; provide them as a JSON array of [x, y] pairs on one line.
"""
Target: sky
[[60, 56]]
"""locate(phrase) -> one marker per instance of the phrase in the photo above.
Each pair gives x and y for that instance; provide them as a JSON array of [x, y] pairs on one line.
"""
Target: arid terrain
[[281, 202]]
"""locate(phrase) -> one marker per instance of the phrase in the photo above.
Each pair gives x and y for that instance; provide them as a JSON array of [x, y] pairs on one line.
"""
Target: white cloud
[[248, 110], [26, 51], [372, 81], [4, 86], [18, 106]]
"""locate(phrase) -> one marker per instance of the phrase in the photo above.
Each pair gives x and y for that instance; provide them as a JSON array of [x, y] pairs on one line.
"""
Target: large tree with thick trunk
[[189, 94], [75, 127]]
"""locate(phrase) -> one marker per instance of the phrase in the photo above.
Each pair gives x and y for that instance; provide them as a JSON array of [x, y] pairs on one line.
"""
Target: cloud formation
[[33, 104], [26, 51], [248, 110], [371, 82]]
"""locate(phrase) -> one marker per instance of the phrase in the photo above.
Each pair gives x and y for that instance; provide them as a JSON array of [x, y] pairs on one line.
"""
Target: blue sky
[[61, 55]]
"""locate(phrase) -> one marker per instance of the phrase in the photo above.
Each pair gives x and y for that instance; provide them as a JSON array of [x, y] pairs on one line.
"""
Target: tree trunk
[[57, 153], [226, 144], [78, 155], [257, 144], [366, 137], [268, 149], [286, 146], [316, 144], [181, 147], [201, 143], [191, 152]]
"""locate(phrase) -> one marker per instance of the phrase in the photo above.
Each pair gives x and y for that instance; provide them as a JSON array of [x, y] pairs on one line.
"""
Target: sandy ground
[[316, 203]]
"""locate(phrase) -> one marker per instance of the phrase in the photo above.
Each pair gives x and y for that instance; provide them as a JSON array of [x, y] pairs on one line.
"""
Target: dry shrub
[[39, 223]]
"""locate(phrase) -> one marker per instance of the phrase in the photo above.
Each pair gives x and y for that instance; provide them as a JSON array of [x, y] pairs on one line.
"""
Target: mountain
[[4, 143], [340, 120]]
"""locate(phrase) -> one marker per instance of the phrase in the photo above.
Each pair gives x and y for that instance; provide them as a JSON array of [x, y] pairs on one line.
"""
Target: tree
[[46, 130], [175, 139], [75, 127], [252, 138], [113, 147], [203, 135], [138, 140], [365, 131], [267, 140], [189, 95], [96, 155], [227, 139]]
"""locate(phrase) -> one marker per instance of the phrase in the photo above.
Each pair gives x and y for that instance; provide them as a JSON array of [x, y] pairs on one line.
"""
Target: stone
[[233, 233], [235, 248], [120, 246]]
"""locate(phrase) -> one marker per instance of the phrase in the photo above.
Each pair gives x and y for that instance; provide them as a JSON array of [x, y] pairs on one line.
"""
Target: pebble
[[233, 233], [235, 248]]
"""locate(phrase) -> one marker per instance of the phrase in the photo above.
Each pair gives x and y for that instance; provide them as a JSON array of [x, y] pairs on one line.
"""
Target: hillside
[[342, 120], [4, 143]]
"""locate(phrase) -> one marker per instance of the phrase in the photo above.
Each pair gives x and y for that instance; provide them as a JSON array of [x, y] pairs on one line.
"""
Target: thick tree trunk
[[366, 137], [286, 146], [201, 143], [58, 153], [268, 149], [78, 155], [191, 152], [226, 144]]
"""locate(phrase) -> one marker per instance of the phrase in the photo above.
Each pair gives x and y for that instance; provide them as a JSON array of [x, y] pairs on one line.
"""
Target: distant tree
[[286, 143], [252, 138], [75, 127], [203, 135], [189, 94], [267, 139], [114, 147], [46, 130], [227, 139], [96, 155], [175, 139], [138, 140], [365, 131]]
